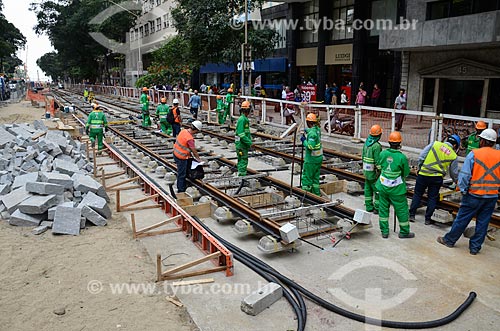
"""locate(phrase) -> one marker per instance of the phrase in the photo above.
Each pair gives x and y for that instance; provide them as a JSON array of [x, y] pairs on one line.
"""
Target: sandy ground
[[41, 275]]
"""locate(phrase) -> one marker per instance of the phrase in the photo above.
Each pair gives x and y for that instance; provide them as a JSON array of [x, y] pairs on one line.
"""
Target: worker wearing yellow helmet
[[473, 140], [311, 168], [227, 106], [220, 109], [243, 138], [371, 155], [391, 185], [146, 120], [162, 112]]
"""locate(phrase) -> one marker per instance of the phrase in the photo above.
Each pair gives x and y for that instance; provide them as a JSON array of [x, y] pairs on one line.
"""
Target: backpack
[[170, 116]]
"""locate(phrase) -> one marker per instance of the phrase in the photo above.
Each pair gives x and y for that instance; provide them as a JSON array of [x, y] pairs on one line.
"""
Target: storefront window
[[429, 85], [493, 95], [343, 12]]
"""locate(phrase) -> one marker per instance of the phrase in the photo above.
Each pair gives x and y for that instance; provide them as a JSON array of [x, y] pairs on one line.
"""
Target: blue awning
[[277, 64], [216, 68]]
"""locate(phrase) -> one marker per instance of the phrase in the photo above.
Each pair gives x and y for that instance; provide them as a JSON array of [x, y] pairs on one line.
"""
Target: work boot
[[412, 218], [406, 236], [443, 242], [429, 222], [385, 235], [375, 211]]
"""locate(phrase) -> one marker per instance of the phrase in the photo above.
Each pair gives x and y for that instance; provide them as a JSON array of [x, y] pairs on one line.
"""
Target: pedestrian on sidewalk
[[313, 157], [371, 156], [184, 148], [361, 97], [243, 138], [391, 185], [289, 108], [433, 164], [375, 96], [195, 104], [400, 104], [479, 182]]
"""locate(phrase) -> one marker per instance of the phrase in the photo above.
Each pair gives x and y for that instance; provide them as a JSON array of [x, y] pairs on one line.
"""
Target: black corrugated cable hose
[[336, 309]]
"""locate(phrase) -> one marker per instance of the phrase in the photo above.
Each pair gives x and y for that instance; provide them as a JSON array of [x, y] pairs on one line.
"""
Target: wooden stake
[[123, 182], [175, 302], [124, 188], [134, 229], [103, 178], [87, 144], [107, 163], [191, 264], [95, 162], [194, 273], [115, 174], [158, 267], [140, 200], [157, 225], [193, 282], [117, 200]]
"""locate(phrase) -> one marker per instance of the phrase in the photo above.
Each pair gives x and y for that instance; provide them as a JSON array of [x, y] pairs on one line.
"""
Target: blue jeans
[[472, 206], [194, 112], [176, 129], [181, 174], [432, 184]]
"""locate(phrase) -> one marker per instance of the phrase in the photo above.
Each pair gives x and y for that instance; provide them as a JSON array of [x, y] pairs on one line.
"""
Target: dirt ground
[[51, 282]]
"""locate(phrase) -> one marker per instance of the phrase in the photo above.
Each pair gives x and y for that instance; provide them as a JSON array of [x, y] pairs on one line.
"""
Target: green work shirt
[[371, 155], [312, 145], [243, 138], [472, 142], [97, 120], [394, 169], [144, 102], [162, 111], [220, 105], [229, 98]]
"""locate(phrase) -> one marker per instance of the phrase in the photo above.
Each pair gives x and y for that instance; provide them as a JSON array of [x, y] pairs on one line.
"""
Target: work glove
[[302, 138], [87, 130]]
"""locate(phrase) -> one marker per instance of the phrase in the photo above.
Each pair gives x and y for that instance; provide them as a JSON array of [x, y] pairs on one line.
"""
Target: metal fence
[[418, 130]]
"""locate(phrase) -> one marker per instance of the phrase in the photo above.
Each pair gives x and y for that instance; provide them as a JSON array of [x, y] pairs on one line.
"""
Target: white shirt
[[283, 94]]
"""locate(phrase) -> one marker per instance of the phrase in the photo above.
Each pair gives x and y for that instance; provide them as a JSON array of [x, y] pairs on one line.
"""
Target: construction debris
[[44, 175]]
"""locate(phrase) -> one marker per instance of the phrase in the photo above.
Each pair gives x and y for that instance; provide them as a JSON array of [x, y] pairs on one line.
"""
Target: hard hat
[[489, 134], [375, 130], [454, 139], [395, 137], [197, 125], [311, 117], [219, 97], [245, 105], [229, 90], [163, 100], [144, 89], [175, 101], [481, 125]]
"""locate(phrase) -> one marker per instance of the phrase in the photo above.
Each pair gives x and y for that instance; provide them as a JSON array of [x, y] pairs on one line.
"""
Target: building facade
[[451, 59], [152, 29]]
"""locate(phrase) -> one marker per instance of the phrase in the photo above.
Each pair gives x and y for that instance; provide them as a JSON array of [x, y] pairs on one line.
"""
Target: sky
[[17, 12]]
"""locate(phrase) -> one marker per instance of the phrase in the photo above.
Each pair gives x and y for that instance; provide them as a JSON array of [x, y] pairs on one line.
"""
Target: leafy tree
[[206, 27], [11, 40], [171, 63], [66, 23], [51, 64]]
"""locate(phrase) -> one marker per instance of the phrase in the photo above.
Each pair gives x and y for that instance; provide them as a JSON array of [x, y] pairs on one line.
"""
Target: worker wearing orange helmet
[[371, 155], [162, 112], [146, 120], [220, 110], [391, 185], [473, 140], [311, 168], [243, 138]]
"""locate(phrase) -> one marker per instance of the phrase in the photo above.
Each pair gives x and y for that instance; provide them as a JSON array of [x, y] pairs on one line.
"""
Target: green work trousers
[[310, 177], [370, 191], [146, 120], [400, 208], [166, 127], [96, 133], [242, 161]]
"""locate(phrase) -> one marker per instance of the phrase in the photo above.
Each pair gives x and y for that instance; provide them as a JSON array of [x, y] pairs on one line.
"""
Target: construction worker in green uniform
[[220, 110], [243, 138], [473, 140], [95, 127], [313, 158], [371, 153], [162, 111], [227, 106], [146, 120], [391, 186]]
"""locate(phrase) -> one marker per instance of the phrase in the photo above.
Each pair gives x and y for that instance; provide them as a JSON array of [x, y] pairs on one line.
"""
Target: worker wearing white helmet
[[184, 149], [176, 125], [479, 182]]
